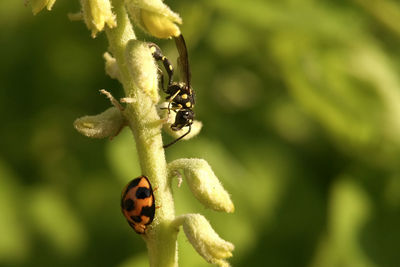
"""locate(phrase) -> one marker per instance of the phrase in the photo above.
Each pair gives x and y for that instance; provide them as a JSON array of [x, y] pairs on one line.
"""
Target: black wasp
[[179, 95]]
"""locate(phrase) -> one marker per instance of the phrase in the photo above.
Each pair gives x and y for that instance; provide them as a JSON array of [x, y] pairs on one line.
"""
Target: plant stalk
[[144, 121]]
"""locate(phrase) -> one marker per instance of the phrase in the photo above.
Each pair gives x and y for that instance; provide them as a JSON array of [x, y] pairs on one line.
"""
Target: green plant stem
[[161, 237]]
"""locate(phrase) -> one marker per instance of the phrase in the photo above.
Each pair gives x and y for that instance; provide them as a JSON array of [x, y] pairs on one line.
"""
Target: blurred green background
[[300, 102]]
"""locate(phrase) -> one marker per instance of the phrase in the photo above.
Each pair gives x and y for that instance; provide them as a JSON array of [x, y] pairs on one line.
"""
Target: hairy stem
[[144, 122]]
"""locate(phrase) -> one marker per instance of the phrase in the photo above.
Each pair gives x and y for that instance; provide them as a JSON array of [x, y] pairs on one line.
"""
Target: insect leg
[[157, 54], [171, 99]]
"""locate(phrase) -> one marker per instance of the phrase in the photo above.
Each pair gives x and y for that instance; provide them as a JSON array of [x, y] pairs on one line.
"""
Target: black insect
[[180, 95]]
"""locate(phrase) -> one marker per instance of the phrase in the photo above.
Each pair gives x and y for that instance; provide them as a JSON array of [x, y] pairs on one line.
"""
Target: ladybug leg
[[155, 189]]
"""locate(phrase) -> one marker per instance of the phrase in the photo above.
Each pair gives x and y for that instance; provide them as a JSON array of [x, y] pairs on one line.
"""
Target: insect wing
[[183, 60]]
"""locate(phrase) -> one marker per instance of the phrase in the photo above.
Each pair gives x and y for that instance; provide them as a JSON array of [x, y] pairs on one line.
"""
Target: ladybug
[[137, 203]]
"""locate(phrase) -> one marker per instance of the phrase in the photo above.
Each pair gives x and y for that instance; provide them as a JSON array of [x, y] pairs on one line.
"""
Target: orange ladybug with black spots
[[137, 204]]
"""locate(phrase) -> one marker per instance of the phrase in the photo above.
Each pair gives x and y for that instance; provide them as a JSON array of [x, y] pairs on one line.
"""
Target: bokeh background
[[300, 102]]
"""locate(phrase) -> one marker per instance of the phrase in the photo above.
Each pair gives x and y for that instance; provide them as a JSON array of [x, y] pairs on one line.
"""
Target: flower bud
[[38, 5], [205, 240], [111, 66], [142, 68], [203, 183], [96, 14], [106, 124], [154, 17], [158, 25]]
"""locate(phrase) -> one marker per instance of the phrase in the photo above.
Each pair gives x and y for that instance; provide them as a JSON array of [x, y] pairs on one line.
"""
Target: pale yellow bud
[[38, 5], [159, 25], [204, 239], [154, 17], [106, 124], [203, 183], [97, 14]]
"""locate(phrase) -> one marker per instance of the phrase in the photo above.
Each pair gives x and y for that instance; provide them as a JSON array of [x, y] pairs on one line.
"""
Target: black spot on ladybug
[[132, 184], [136, 219], [143, 192], [149, 212], [129, 204]]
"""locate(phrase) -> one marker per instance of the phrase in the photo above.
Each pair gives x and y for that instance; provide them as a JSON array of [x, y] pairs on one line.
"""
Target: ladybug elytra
[[137, 203]]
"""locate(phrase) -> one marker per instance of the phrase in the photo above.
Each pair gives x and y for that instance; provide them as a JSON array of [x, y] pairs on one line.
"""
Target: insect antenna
[[179, 138]]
